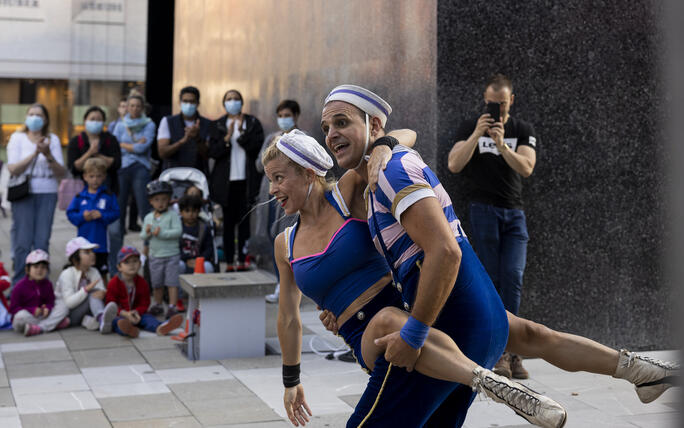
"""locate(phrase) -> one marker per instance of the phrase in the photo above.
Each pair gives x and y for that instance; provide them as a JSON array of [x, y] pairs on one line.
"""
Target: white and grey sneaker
[[108, 316], [651, 377], [536, 408], [90, 323], [273, 298]]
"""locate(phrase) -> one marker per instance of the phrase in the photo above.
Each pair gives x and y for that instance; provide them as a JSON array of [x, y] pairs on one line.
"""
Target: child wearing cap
[[196, 238], [94, 209], [80, 285], [162, 227], [129, 293], [32, 302]]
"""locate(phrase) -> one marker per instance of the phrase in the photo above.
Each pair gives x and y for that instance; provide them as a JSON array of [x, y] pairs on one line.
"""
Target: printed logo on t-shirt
[[101, 204], [487, 145], [83, 202], [533, 141]]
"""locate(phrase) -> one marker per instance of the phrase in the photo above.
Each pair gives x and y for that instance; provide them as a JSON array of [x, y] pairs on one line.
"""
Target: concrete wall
[[301, 49], [588, 78]]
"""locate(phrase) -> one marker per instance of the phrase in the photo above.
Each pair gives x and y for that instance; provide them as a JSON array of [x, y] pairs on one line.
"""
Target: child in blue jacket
[[94, 209]]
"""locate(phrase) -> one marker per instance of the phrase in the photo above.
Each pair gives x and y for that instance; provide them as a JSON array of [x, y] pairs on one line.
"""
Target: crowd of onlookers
[[114, 169]]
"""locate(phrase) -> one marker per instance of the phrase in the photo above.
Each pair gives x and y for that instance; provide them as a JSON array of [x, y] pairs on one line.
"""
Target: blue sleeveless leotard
[[347, 267]]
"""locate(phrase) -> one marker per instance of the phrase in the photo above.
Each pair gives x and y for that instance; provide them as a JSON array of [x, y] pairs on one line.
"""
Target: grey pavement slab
[[172, 358], [156, 342], [267, 361], [152, 406], [199, 391], [179, 422], [83, 418], [77, 339], [36, 356], [108, 357], [4, 380], [10, 336], [239, 409], [52, 368], [6, 398], [352, 400]]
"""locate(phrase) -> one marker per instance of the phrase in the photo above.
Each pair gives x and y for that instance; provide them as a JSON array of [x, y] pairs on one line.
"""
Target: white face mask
[[365, 146]]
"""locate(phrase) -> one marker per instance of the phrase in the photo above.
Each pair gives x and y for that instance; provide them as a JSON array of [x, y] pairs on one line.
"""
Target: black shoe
[[134, 228], [347, 357]]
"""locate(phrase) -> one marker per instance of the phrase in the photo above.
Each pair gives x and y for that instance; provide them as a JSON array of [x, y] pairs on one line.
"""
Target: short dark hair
[[97, 109], [137, 97], [237, 92], [190, 202], [498, 81], [190, 90], [291, 104], [123, 99]]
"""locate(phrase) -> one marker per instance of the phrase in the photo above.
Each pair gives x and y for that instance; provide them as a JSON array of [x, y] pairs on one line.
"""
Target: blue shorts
[[475, 318]]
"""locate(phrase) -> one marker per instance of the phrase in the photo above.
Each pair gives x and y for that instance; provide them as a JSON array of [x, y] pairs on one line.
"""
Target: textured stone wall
[[587, 77]]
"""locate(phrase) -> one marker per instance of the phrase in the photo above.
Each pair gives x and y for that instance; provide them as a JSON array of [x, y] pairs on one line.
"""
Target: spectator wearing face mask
[[270, 219], [234, 142], [182, 138], [95, 142], [35, 152]]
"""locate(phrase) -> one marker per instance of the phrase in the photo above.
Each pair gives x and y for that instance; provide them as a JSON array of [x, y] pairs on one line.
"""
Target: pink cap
[[37, 256], [78, 243]]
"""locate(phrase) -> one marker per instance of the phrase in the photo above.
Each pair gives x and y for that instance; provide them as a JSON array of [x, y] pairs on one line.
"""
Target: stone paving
[[77, 378]]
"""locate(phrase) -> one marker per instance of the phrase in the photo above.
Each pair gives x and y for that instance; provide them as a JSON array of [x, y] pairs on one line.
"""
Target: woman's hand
[[296, 406]]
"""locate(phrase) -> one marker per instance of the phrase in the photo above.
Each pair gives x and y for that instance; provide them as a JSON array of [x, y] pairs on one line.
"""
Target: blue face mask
[[286, 123], [93, 126], [34, 123], [188, 109], [233, 107]]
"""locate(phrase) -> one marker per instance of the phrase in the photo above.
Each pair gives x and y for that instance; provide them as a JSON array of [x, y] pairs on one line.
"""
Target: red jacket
[[116, 292]]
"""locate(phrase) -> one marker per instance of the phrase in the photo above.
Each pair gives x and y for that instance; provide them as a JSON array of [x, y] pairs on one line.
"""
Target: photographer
[[496, 151]]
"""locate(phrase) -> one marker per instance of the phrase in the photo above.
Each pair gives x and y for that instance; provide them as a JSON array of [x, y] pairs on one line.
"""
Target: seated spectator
[[195, 240], [93, 210], [80, 285], [32, 303], [129, 293], [5, 315]]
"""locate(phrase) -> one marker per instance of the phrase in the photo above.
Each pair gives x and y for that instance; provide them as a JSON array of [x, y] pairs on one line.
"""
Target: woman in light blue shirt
[[135, 134]]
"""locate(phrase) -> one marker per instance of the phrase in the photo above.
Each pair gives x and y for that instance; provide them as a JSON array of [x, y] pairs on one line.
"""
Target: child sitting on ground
[[5, 315], [196, 238], [94, 209], [32, 302], [162, 227], [129, 294], [80, 285]]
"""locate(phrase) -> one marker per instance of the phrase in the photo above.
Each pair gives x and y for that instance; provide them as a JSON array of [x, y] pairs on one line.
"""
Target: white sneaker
[[108, 316], [536, 408], [650, 377], [90, 323], [273, 298]]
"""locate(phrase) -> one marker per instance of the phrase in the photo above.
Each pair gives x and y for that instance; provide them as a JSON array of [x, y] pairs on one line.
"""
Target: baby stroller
[[180, 179]]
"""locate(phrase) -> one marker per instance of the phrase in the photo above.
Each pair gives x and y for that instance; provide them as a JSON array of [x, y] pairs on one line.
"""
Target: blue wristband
[[414, 333]]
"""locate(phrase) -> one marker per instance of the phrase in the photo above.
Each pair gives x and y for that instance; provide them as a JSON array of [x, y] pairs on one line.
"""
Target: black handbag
[[17, 188]]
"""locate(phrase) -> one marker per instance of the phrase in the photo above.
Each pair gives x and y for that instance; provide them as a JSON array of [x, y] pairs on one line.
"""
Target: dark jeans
[[31, 228], [500, 239], [232, 214], [132, 180], [147, 322]]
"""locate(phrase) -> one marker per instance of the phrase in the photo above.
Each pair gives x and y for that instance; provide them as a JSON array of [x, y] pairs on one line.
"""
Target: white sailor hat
[[362, 98], [305, 151]]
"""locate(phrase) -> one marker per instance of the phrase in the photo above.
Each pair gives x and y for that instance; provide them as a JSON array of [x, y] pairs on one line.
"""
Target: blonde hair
[[95, 164], [272, 152]]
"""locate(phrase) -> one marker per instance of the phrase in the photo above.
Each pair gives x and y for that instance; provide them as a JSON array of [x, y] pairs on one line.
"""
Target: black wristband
[[290, 375], [385, 140]]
